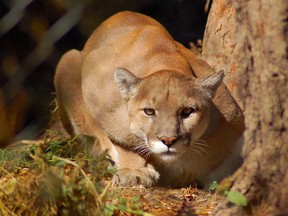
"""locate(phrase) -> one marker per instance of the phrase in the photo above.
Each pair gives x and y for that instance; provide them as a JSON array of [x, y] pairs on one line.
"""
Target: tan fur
[[129, 64]]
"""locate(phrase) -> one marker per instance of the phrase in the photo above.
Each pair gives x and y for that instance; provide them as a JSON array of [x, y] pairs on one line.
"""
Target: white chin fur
[[168, 157], [165, 153]]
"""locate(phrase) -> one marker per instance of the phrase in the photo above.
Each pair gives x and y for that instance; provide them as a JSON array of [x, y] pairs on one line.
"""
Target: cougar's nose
[[168, 141]]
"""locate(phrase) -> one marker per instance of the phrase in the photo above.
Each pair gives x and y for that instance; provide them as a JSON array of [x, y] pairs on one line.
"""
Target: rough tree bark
[[220, 47], [249, 38]]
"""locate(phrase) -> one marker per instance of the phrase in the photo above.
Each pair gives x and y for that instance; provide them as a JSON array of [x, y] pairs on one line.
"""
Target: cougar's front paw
[[146, 176]]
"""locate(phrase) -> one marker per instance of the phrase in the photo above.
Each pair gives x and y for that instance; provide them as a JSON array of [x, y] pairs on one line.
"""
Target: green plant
[[237, 198], [56, 177], [232, 196]]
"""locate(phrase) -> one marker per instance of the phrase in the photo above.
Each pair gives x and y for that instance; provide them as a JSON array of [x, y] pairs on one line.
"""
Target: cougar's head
[[167, 111]]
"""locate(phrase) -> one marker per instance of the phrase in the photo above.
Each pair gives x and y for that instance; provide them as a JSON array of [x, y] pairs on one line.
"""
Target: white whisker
[[159, 162], [194, 153], [142, 150], [199, 148]]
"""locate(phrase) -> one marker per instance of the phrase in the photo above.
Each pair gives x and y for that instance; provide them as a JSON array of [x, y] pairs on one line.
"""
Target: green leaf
[[213, 186], [122, 200], [236, 198], [112, 170], [110, 207], [138, 212], [60, 163], [122, 207], [136, 198]]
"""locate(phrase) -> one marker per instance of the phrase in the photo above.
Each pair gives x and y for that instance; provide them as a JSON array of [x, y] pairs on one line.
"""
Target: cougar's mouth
[[169, 155]]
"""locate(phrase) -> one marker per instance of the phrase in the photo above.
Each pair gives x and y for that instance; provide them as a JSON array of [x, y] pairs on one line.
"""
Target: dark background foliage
[[34, 35]]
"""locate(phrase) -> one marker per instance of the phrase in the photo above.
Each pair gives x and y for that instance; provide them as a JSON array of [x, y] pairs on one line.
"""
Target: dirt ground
[[165, 201]]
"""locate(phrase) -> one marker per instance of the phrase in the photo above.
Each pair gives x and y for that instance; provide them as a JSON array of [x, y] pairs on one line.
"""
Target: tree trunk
[[220, 47], [250, 40]]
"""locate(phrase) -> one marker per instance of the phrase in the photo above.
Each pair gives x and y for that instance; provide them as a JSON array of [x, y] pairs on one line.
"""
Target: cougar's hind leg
[[74, 114]]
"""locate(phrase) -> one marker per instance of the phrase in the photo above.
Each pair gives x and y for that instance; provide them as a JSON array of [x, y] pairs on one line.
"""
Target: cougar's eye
[[187, 111], [149, 111]]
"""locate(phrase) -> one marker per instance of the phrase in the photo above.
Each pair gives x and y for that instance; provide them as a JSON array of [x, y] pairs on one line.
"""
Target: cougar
[[164, 115]]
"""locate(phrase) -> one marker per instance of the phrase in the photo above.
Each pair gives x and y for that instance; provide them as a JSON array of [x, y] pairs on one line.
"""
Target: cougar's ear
[[211, 83], [127, 82]]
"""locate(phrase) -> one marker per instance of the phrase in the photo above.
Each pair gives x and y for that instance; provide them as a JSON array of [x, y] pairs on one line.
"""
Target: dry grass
[[52, 177]]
